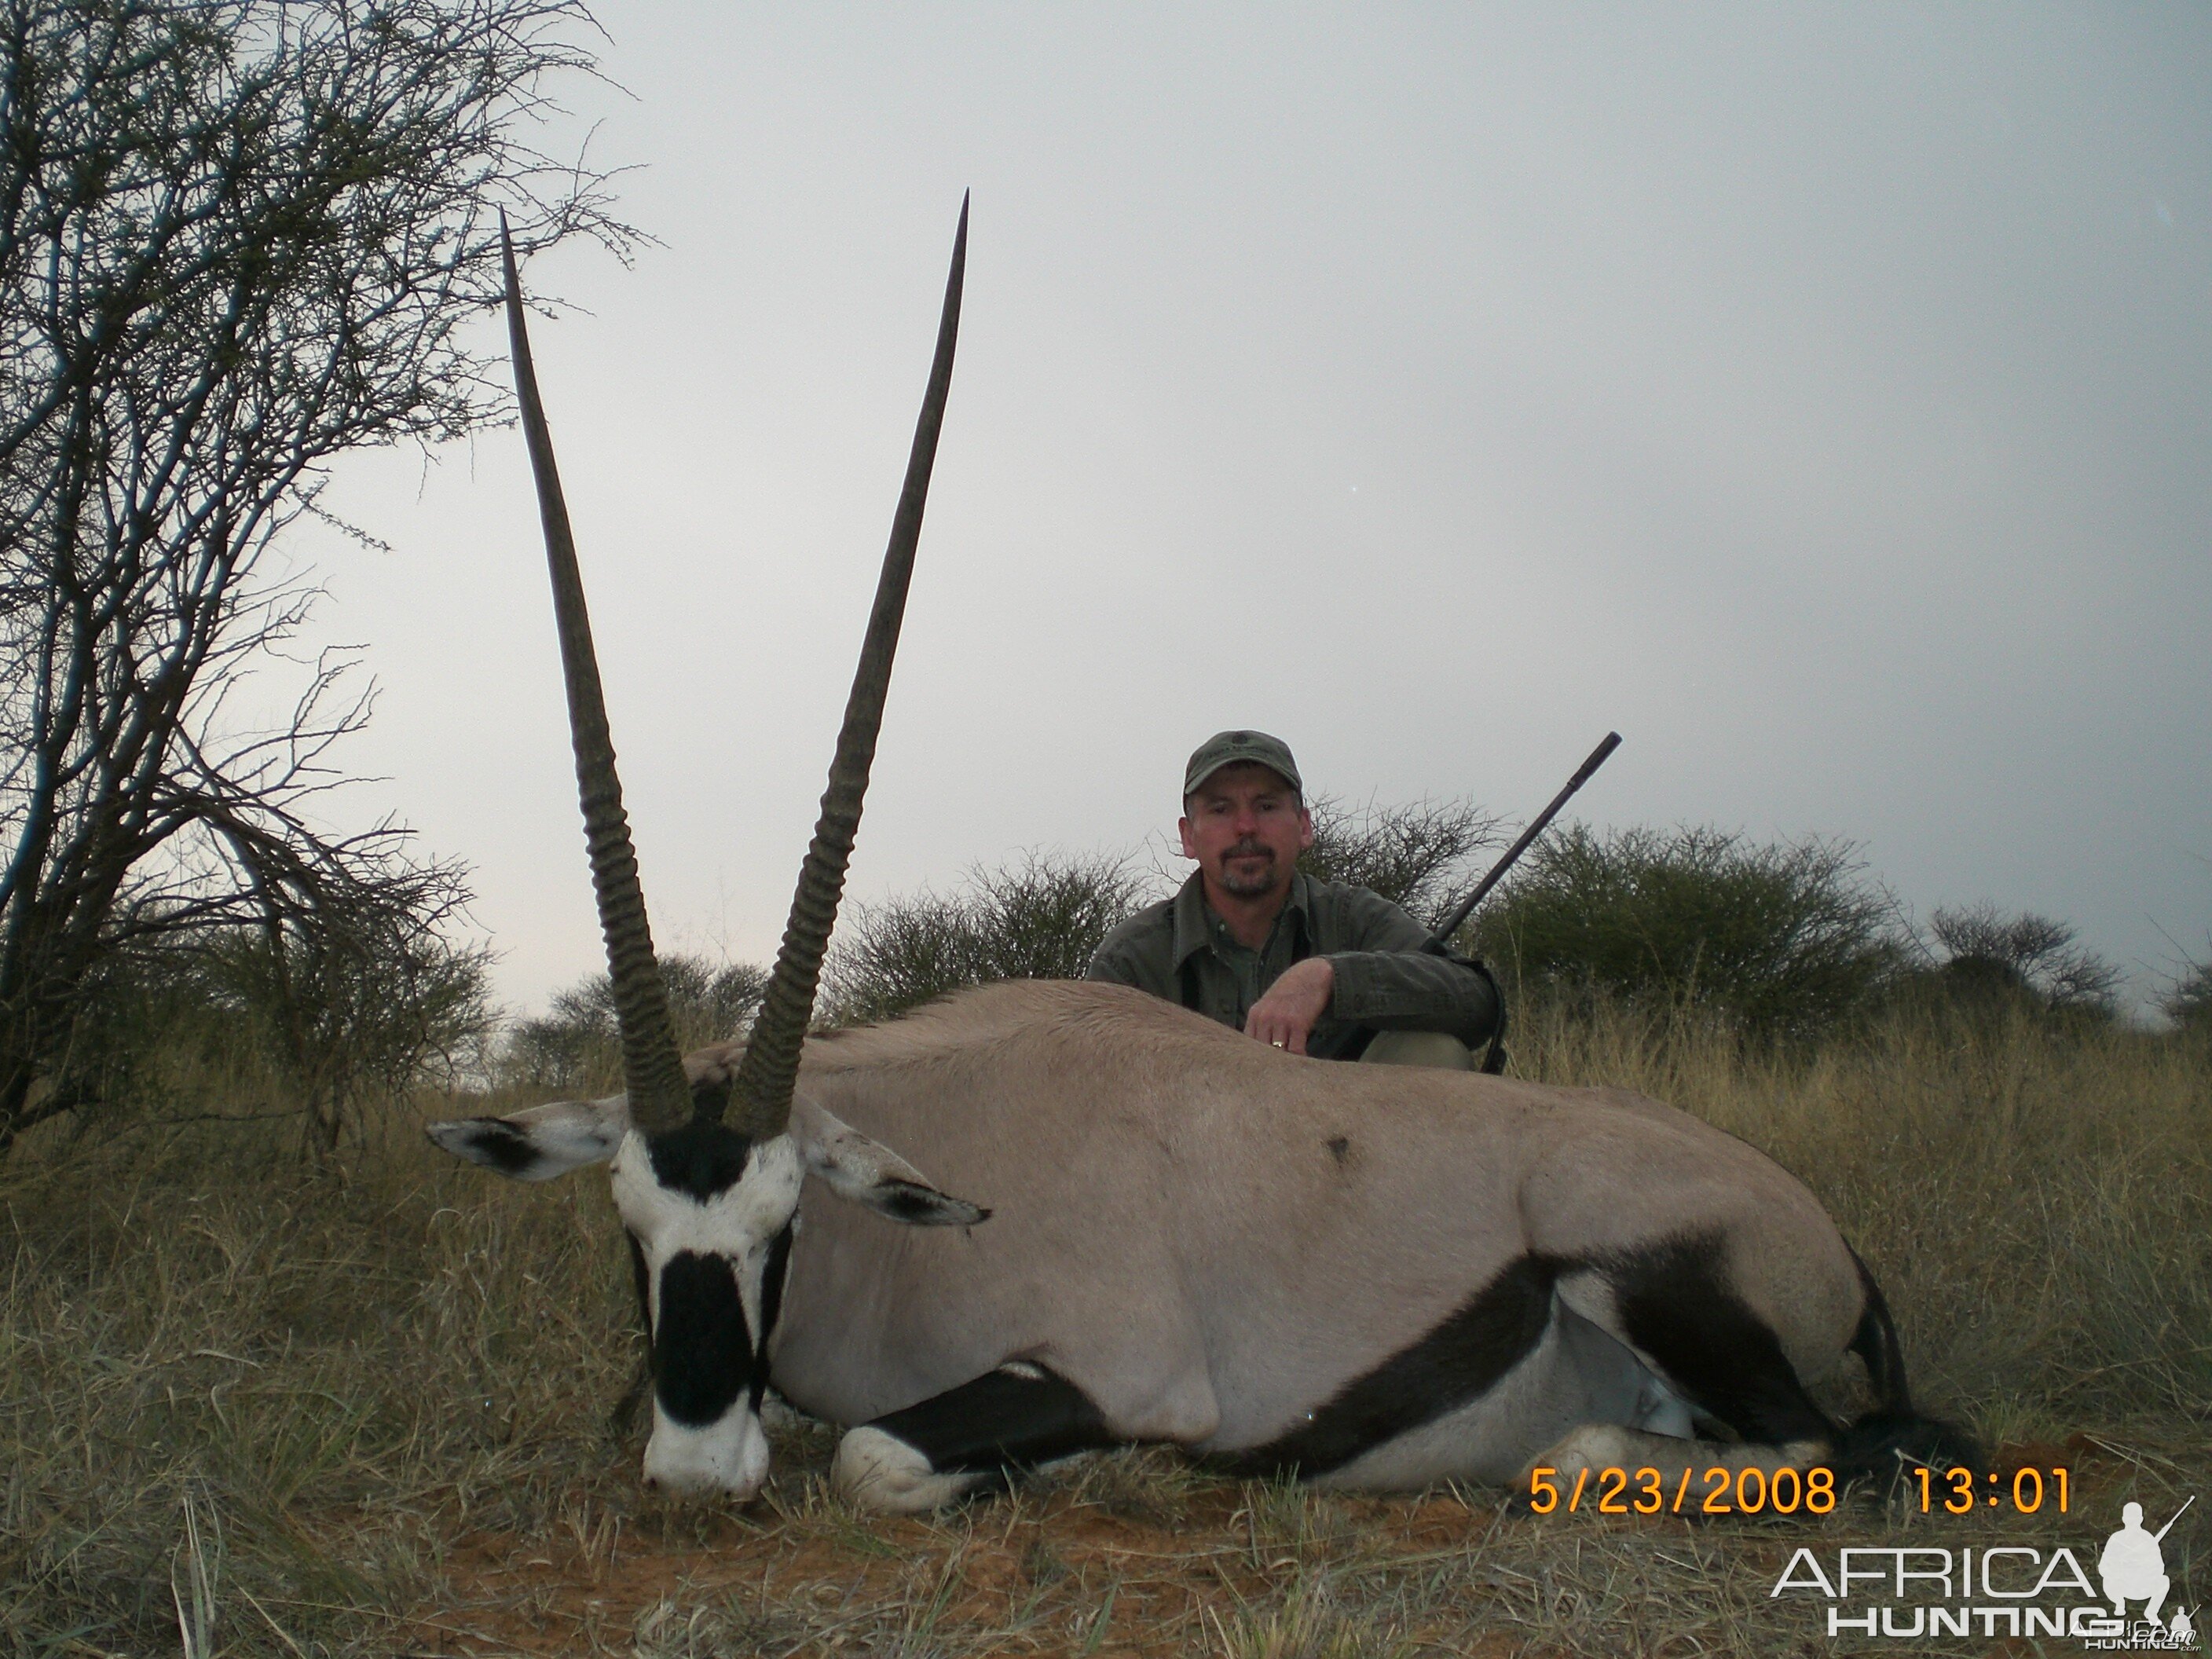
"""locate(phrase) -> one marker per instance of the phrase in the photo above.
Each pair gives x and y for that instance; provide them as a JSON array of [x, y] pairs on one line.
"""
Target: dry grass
[[249, 1408]]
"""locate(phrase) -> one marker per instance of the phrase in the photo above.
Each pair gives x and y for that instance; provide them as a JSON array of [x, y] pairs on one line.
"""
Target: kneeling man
[[1313, 967]]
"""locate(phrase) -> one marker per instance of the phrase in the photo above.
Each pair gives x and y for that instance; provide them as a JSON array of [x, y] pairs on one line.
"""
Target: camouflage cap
[[1227, 748]]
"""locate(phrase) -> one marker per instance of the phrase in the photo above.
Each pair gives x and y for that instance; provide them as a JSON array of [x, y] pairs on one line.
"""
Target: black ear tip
[[925, 1206]]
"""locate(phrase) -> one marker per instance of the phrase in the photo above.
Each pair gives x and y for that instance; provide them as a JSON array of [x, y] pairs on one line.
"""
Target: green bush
[[1781, 940], [1040, 919]]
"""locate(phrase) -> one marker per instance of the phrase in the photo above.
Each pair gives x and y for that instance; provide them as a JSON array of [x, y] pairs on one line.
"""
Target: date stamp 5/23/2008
[[1716, 1491]]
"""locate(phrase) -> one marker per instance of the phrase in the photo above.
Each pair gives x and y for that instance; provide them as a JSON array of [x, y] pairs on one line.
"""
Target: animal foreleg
[[969, 1439]]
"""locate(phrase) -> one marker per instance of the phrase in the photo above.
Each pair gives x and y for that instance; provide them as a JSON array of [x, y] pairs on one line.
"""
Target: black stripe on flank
[[1008, 1418], [702, 1353], [1459, 1361]]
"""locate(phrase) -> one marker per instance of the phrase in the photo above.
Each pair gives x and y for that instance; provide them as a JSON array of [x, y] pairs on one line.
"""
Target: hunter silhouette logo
[[2133, 1568]]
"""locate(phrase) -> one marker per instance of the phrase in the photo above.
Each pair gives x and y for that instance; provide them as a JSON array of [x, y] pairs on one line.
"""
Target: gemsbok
[[1372, 1276]]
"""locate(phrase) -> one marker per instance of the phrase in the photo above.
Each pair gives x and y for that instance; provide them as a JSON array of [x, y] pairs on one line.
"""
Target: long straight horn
[[653, 1070], [771, 1066]]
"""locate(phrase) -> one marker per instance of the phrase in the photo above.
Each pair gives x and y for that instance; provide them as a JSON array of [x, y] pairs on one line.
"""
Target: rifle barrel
[[1542, 821]]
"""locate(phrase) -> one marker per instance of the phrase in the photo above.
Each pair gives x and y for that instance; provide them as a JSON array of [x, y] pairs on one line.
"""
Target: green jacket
[[1387, 979]]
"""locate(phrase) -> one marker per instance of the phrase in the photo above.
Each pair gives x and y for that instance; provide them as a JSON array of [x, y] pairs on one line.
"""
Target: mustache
[[1249, 849]]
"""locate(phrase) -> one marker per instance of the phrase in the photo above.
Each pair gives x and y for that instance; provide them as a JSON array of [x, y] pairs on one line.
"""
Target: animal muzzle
[[707, 1435], [726, 1458]]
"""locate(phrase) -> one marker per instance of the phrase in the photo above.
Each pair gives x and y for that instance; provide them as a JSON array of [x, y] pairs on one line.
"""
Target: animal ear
[[867, 1172], [541, 1143]]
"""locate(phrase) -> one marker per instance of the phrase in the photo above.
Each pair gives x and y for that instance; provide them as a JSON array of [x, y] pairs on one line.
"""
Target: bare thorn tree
[[1418, 855], [237, 238]]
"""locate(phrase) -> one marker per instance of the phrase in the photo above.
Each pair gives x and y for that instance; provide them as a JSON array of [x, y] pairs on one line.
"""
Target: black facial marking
[[1002, 1420], [1457, 1362], [703, 1353], [1677, 1305], [623, 1416], [1340, 1148], [640, 1281], [501, 1146], [711, 1098], [772, 1278], [702, 1158]]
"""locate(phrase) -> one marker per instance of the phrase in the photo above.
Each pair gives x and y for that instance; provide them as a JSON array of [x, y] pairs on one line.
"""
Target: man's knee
[[1436, 1048]]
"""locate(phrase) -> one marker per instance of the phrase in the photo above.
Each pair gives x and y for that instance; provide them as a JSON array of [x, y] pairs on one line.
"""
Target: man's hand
[[1285, 1015]]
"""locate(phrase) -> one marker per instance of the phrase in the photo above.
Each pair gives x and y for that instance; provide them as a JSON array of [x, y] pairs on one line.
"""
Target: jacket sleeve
[[1391, 980]]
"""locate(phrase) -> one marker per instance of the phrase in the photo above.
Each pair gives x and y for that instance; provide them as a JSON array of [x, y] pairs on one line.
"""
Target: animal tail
[[1894, 1437]]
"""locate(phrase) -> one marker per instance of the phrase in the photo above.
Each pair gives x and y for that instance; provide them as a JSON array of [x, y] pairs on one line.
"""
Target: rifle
[[1466, 907], [2159, 1536], [1494, 1060]]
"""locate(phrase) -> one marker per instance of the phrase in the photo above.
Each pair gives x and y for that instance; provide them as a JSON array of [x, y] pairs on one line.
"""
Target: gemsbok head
[[707, 1155]]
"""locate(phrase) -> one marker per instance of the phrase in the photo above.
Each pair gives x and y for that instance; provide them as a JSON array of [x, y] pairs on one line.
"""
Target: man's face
[[1245, 826]]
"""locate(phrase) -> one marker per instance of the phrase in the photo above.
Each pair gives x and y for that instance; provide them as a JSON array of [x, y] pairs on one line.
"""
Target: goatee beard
[[1248, 886]]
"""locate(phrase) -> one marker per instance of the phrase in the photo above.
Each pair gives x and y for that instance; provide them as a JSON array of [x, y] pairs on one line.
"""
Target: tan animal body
[[1373, 1276]]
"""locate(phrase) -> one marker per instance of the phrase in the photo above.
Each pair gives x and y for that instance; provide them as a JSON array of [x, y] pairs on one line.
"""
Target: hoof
[[879, 1471]]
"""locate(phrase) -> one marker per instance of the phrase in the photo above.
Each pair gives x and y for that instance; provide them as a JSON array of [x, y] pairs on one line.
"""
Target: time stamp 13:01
[[1715, 1491]]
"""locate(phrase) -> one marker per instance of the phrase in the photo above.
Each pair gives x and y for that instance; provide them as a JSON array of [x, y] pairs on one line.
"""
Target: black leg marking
[[1678, 1306], [702, 1353], [1457, 1362], [1014, 1418]]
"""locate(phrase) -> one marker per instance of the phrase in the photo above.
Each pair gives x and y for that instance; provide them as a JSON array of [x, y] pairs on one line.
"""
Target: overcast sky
[[1821, 396]]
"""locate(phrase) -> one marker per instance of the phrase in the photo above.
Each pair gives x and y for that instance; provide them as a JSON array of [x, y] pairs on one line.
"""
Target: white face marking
[[737, 1225]]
